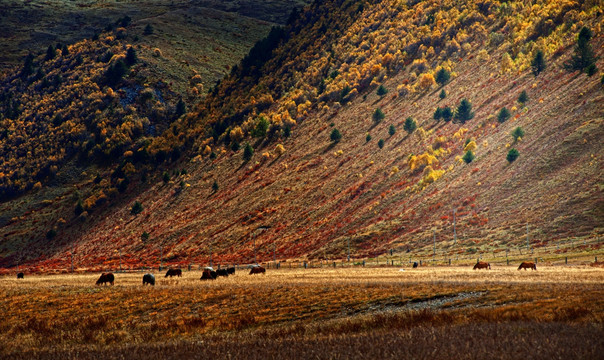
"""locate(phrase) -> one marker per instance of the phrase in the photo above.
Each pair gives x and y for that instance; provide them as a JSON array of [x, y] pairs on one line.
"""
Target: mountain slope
[[316, 196]]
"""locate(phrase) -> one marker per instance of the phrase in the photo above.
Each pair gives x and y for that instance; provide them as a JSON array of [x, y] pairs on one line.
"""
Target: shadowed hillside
[[426, 100]]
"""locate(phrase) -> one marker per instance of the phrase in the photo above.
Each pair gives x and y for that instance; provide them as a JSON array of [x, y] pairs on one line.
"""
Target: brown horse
[[257, 270], [482, 265], [527, 265], [174, 272], [105, 278]]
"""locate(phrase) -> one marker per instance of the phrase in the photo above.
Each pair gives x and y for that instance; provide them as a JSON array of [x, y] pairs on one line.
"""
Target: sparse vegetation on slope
[[324, 68]]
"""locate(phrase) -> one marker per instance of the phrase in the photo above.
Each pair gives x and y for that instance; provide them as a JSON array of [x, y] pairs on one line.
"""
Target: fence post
[[334, 264], [535, 260], [363, 262], [420, 263], [566, 260], [508, 261], [449, 261], [596, 259]]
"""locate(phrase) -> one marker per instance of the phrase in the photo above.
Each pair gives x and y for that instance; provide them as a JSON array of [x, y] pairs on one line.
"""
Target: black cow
[[222, 272], [174, 272], [105, 278], [20, 275], [257, 270], [208, 275], [149, 279], [415, 264], [231, 270]]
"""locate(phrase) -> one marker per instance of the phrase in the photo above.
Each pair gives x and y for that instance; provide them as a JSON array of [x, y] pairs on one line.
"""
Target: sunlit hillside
[[356, 123]]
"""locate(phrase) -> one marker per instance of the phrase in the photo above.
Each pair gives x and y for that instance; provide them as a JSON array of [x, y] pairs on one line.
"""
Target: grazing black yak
[[257, 270], [231, 270], [149, 279], [208, 275], [222, 272], [415, 264], [482, 265], [105, 278], [174, 272], [20, 275]]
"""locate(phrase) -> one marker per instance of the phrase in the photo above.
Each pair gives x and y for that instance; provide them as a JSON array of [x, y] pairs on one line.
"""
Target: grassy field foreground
[[554, 312]]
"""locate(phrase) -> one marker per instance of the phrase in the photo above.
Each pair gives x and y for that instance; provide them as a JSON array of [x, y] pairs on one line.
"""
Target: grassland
[[315, 313]]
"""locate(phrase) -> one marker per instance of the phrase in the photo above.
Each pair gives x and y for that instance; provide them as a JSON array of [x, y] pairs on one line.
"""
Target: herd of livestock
[[211, 274], [208, 274]]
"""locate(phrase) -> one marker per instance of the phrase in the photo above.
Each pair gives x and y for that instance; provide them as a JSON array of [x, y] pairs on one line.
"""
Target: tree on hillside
[[131, 57], [28, 65], [464, 111], [438, 114], [518, 133], [79, 208], [181, 108], [468, 157], [148, 29], [538, 63], [447, 114], [503, 115], [261, 127], [378, 115], [410, 125], [381, 91], [583, 59], [248, 152], [64, 50], [442, 76], [335, 135], [137, 208], [443, 94], [523, 97], [512, 155], [115, 72], [215, 186], [50, 53], [391, 130]]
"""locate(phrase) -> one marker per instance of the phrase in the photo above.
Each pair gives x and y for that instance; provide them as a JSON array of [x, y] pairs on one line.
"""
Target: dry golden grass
[[62, 316]]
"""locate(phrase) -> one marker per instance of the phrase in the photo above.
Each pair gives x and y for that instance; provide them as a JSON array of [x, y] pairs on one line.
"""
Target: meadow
[[320, 313]]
